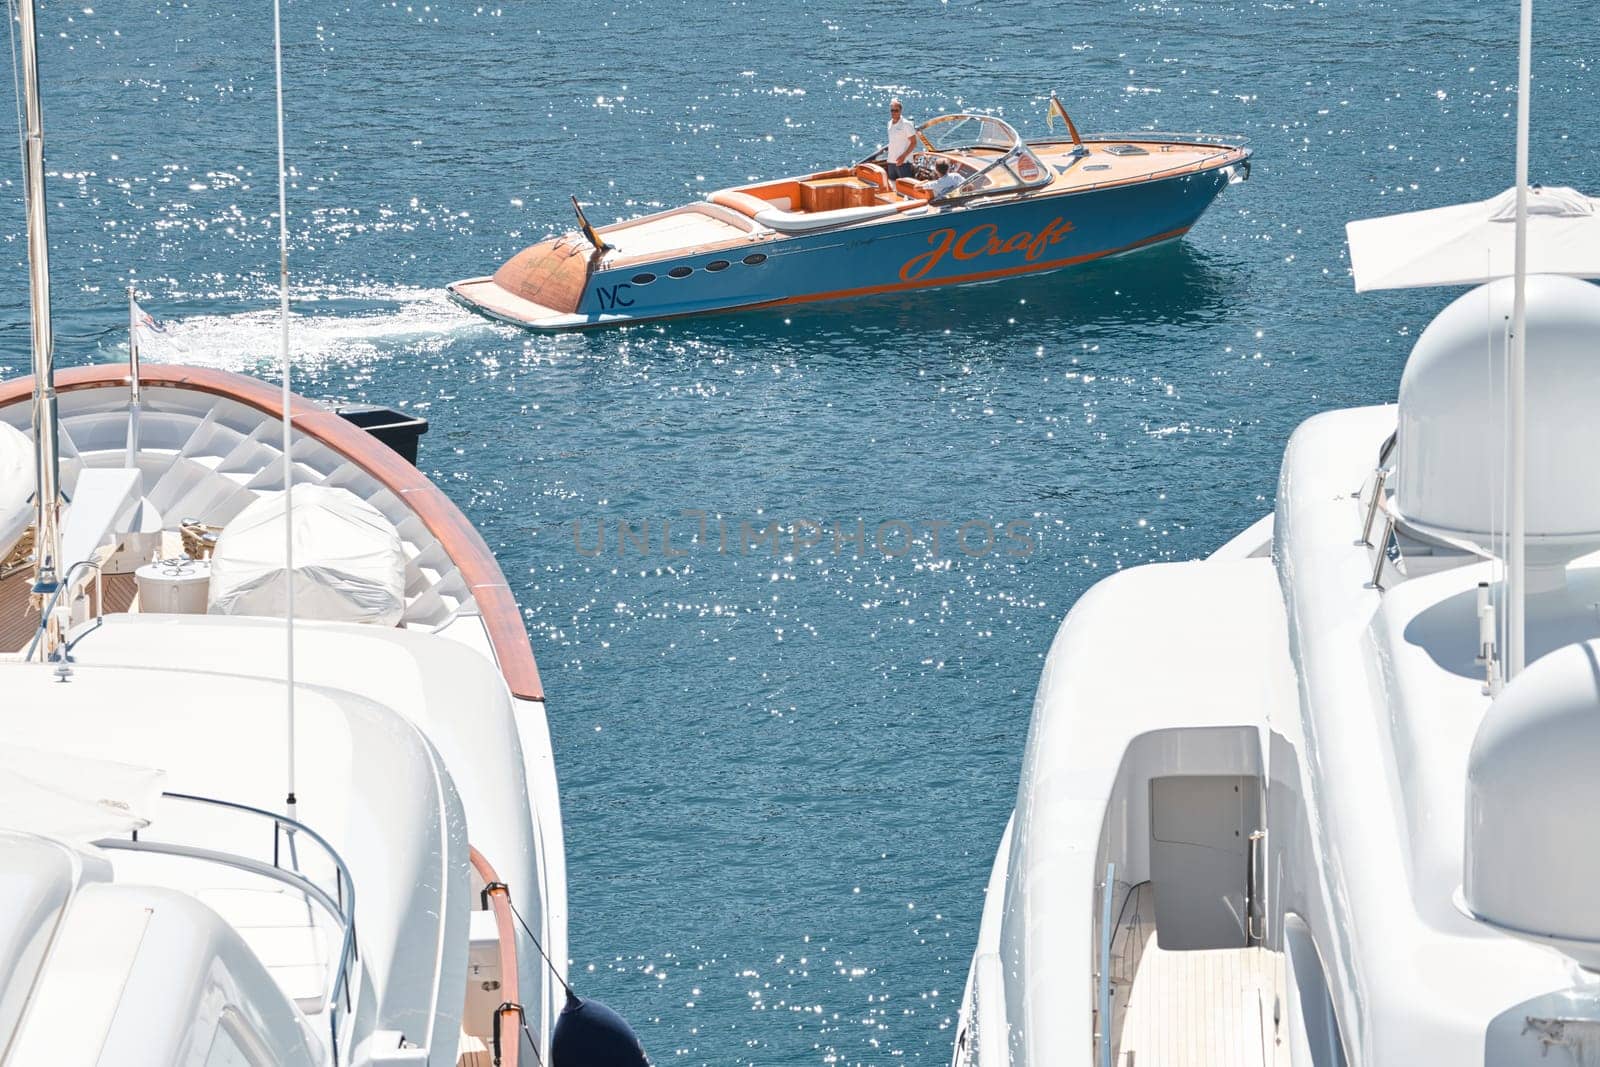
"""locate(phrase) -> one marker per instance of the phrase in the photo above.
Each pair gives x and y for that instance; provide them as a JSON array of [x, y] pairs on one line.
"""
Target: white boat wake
[[336, 326]]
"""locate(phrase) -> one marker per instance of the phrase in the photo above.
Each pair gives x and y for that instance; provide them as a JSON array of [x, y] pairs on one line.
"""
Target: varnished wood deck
[[553, 273], [1100, 167], [19, 621]]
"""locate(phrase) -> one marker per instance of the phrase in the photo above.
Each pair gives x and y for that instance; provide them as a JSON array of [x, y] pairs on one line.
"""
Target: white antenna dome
[[1532, 836], [1451, 455]]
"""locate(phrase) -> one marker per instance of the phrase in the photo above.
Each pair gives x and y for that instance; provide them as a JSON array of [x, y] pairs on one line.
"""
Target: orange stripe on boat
[[981, 276]]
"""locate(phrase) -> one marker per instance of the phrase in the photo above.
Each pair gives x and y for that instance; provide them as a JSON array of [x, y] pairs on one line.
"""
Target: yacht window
[[680, 272], [718, 264], [755, 259], [225, 1052], [235, 1044], [643, 279]]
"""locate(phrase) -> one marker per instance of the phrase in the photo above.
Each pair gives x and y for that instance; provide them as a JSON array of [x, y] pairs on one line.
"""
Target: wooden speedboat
[[1022, 207]]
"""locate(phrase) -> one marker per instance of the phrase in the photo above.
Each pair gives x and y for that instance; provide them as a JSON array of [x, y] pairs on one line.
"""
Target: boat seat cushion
[[910, 187], [743, 203]]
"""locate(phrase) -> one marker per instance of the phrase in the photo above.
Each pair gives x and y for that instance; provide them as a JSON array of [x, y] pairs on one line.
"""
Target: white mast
[[133, 380], [291, 800], [1517, 534], [47, 451]]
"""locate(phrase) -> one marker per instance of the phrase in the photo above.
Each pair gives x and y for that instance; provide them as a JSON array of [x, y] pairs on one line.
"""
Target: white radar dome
[[1532, 836], [1453, 444]]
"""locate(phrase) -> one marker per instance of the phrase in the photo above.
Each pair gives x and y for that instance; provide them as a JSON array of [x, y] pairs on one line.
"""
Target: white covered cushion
[[16, 486], [349, 564]]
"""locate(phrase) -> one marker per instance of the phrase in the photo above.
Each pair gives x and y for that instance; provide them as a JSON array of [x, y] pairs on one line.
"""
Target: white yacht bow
[[163, 898], [424, 766]]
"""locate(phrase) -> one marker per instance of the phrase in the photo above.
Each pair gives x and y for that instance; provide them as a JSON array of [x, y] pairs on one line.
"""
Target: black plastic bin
[[394, 428]]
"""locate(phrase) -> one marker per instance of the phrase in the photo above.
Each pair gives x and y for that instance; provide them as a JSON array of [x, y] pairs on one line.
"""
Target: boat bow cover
[[349, 562]]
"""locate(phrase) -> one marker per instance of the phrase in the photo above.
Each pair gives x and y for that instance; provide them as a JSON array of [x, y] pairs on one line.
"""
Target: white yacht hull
[[421, 755], [1342, 712]]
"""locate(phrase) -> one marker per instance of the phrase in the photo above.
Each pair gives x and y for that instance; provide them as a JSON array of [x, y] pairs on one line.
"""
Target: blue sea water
[[784, 775]]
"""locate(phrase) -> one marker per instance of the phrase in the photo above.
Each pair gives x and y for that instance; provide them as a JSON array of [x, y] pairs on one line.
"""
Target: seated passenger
[[947, 181]]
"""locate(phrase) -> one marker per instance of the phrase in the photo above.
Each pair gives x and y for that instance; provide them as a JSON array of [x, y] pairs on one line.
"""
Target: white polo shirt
[[901, 134], [946, 184]]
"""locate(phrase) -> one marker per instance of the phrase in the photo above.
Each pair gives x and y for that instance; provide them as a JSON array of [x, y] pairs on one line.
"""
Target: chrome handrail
[[957, 195], [1209, 163], [1224, 146], [1255, 877], [1107, 932], [340, 904], [1379, 477], [1227, 140], [1382, 555], [67, 583], [288, 877]]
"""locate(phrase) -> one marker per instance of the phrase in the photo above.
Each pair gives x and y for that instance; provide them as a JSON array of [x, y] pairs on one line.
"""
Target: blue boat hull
[[974, 242]]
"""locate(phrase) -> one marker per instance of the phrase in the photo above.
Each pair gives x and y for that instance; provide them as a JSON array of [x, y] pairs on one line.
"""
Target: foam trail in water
[[378, 321]]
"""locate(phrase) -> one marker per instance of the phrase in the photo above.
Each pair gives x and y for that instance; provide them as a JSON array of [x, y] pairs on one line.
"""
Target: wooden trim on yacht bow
[[462, 542], [497, 898]]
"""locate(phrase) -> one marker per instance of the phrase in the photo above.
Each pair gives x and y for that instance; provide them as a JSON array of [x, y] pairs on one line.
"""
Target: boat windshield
[[986, 151], [960, 133]]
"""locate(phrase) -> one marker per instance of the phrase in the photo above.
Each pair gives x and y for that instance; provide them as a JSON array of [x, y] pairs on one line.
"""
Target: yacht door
[[1200, 828]]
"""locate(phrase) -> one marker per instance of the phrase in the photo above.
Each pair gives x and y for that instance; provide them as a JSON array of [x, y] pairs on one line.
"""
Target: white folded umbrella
[[1468, 244]]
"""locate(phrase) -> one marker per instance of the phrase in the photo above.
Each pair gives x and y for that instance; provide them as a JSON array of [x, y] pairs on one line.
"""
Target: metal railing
[[1225, 145], [1378, 480], [340, 903], [66, 585], [961, 193], [1108, 931], [1220, 139]]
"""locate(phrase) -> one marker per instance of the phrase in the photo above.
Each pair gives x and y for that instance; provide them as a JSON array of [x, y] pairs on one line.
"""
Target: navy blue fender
[[589, 1034]]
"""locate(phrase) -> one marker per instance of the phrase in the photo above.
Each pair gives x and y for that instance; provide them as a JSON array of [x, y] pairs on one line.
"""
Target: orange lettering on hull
[[982, 240]]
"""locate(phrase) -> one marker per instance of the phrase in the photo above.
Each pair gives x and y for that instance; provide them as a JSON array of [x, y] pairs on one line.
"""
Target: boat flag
[[146, 322], [1056, 109], [144, 328], [588, 230]]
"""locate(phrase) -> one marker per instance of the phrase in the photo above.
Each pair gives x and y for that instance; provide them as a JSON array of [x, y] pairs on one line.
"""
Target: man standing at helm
[[902, 139]]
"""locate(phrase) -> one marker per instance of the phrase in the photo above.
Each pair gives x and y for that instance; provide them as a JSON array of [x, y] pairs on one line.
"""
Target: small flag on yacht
[[146, 321]]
